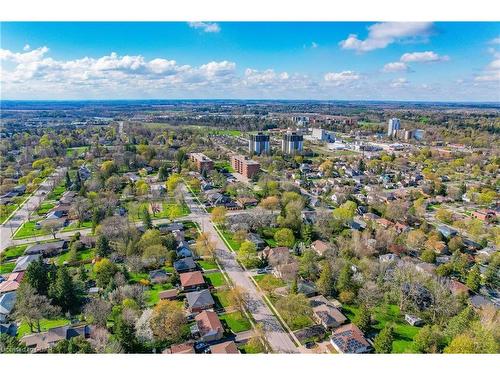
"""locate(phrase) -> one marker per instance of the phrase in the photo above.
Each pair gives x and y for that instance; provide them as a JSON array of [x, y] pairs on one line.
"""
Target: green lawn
[[13, 252], [75, 226], [75, 151], [6, 211], [215, 279], [151, 295], [233, 133], [235, 245], [135, 277], [28, 230], [44, 208], [385, 315], [7, 267], [236, 321], [272, 280], [135, 213], [45, 324], [207, 265], [81, 255], [167, 208], [57, 193], [220, 298]]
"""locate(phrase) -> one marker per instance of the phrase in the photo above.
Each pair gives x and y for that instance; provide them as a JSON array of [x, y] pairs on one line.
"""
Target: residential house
[[7, 301], [158, 276], [169, 294], [192, 281], [8, 329], [23, 262], [349, 339], [228, 347], [320, 247], [447, 231], [12, 282], [328, 315], [256, 240], [47, 249], [208, 326], [43, 341], [200, 300], [185, 265], [184, 348], [183, 250]]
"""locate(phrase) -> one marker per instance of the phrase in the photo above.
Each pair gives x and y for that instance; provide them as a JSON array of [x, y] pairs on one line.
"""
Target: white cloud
[[495, 40], [427, 56], [491, 73], [414, 57], [395, 67], [26, 47], [208, 27], [341, 78], [399, 82], [380, 35]]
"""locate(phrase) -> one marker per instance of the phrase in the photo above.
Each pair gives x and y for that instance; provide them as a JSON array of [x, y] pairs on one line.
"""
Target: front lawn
[[75, 226], [57, 193], [235, 245], [215, 279], [7, 267], [220, 298], [13, 252], [236, 321], [6, 211], [45, 324], [207, 265], [28, 230], [44, 208]]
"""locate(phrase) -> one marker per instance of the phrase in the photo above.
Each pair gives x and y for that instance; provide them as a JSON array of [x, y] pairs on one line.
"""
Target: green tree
[[326, 282], [38, 276], [124, 333], [102, 247], [344, 281], [284, 237], [247, 254], [104, 271], [363, 318], [32, 307], [146, 218], [383, 341], [75, 345], [428, 256], [429, 339], [474, 278], [65, 292]]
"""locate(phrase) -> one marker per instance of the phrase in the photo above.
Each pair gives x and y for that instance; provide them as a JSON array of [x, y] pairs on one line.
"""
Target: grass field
[[151, 295], [207, 265], [236, 321], [7, 267], [215, 279], [81, 255], [235, 245], [233, 133], [45, 324], [220, 298], [6, 211], [28, 230], [75, 226], [272, 280], [57, 193], [44, 208], [13, 252]]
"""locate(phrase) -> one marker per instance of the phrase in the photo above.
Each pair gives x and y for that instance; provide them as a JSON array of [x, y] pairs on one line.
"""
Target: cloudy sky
[[337, 61]]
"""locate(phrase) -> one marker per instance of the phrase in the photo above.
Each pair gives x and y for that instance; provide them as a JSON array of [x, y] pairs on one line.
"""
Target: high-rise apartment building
[[393, 127], [259, 144], [245, 166], [292, 143]]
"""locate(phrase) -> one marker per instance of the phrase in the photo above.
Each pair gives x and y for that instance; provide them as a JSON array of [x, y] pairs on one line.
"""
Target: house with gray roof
[[200, 300]]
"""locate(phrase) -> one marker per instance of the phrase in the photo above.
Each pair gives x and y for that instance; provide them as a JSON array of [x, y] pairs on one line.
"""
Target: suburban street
[[278, 338], [23, 213]]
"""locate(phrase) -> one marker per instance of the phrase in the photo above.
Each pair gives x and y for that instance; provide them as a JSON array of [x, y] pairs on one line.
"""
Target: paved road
[[278, 338], [22, 214]]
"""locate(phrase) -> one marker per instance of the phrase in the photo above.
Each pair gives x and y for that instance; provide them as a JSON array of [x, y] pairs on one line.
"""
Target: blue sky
[[282, 60]]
